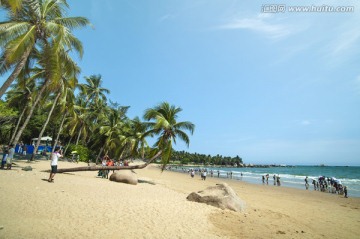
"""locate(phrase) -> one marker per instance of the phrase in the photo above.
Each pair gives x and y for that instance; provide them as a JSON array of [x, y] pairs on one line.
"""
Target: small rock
[[27, 168], [1, 227]]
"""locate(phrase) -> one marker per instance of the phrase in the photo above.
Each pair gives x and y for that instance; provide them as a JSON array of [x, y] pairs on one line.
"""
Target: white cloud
[[261, 24]]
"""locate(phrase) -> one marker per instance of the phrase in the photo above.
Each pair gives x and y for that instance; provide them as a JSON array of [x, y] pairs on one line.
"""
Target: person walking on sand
[[54, 162], [10, 157]]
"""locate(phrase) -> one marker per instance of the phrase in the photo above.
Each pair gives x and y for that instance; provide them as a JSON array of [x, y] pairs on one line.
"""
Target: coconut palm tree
[[93, 90], [29, 23], [20, 97], [165, 125]]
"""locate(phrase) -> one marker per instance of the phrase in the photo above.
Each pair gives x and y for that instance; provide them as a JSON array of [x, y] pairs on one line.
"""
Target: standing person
[[24, 149], [10, 157], [204, 175], [346, 191], [54, 162], [20, 149], [306, 183], [5, 154], [267, 178], [274, 177], [278, 180]]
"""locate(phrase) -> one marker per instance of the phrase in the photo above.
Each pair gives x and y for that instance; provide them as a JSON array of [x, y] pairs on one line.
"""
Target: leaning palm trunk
[[78, 138], [17, 124], [16, 71], [19, 133], [58, 134], [44, 127], [98, 156], [96, 168], [67, 146]]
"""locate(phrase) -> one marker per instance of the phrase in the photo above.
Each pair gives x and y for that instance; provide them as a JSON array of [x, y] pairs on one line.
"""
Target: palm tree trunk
[[78, 138], [38, 97], [59, 131], [44, 127], [16, 71], [96, 168], [17, 125], [68, 144], [98, 156]]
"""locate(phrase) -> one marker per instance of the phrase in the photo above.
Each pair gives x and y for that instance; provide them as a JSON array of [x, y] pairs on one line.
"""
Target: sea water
[[291, 176]]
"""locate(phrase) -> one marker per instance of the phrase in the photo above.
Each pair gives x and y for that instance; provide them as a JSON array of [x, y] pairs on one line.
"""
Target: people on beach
[[345, 192], [278, 180], [306, 183], [5, 154], [263, 179], [192, 173], [54, 162], [267, 178], [10, 157], [274, 177], [20, 149], [203, 175], [24, 148]]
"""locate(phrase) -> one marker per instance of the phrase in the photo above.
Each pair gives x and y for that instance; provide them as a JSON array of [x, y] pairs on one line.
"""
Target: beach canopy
[[43, 138], [42, 141]]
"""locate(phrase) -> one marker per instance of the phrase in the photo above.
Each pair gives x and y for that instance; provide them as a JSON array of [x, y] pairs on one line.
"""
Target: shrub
[[83, 152]]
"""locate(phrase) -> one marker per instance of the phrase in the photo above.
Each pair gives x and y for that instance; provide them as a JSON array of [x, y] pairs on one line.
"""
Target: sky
[[271, 87]]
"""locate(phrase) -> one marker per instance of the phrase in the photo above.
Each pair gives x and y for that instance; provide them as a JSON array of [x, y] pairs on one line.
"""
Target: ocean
[[292, 176]]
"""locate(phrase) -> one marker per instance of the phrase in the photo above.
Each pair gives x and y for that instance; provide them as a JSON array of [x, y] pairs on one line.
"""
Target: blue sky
[[279, 88]]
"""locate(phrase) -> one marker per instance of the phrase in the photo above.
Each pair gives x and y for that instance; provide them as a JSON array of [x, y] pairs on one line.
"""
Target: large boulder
[[221, 196], [125, 176]]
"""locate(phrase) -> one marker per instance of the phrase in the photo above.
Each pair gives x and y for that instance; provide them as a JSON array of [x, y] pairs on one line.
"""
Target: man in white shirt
[[54, 162], [10, 157]]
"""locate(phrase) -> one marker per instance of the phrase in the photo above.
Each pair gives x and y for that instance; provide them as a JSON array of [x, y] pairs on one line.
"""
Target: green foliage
[[8, 118], [83, 152], [203, 159], [185, 161]]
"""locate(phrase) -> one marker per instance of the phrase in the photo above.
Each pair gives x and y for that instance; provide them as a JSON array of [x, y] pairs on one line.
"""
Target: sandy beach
[[82, 205]]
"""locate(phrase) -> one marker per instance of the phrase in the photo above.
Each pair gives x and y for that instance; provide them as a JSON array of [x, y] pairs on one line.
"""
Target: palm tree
[[93, 89], [21, 97], [53, 64], [168, 129], [164, 125], [32, 22]]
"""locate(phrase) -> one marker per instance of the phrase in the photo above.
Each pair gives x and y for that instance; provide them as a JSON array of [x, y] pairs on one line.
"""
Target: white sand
[[81, 205]]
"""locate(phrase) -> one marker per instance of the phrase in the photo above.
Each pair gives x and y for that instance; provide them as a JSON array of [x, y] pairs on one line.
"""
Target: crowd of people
[[107, 161], [326, 184], [276, 178]]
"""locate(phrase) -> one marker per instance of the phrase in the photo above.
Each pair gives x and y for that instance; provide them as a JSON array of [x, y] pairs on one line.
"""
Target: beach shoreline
[[82, 205]]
